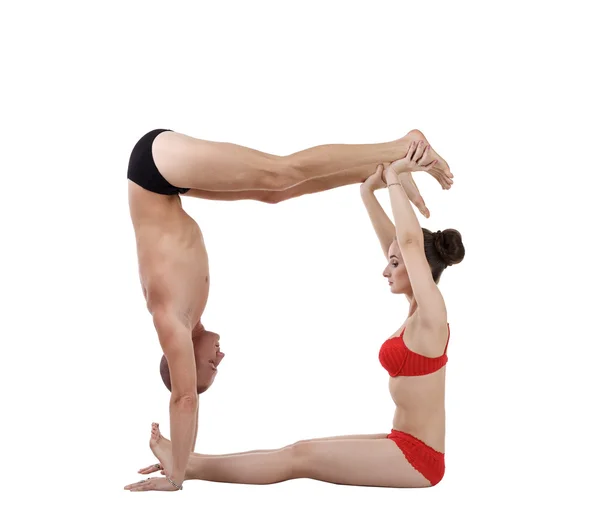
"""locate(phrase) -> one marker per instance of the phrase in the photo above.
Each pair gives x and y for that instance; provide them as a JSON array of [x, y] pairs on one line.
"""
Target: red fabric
[[426, 460], [398, 360]]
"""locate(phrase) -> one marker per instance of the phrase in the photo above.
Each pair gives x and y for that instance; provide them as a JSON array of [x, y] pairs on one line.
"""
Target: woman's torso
[[420, 399], [173, 262]]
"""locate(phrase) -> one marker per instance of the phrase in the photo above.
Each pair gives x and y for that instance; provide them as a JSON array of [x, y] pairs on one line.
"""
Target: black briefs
[[143, 171]]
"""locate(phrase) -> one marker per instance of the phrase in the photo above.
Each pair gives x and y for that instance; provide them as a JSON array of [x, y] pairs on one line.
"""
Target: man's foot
[[441, 171], [161, 448]]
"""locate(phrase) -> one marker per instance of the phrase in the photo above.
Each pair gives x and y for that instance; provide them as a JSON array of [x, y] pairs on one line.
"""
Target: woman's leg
[[363, 460], [213, 166], [359, 462], [325, 439], [161, 447]]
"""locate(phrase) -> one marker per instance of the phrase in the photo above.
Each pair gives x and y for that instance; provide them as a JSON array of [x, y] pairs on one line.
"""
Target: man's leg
[[272, 197], [211, 166]]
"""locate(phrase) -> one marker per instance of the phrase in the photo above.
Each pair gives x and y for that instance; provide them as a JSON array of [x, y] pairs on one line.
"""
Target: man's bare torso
[[173, 263]]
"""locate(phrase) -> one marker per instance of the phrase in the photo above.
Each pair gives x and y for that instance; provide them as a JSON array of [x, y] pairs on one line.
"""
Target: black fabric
[[142, 169]]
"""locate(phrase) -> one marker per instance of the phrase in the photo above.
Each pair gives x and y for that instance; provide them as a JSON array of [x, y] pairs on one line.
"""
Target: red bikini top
[[398, 360]]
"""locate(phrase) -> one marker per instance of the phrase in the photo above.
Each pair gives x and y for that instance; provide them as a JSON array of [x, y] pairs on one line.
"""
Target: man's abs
[[173, 266]]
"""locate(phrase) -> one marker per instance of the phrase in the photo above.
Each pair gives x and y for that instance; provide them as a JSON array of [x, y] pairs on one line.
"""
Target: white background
[[505, 92]]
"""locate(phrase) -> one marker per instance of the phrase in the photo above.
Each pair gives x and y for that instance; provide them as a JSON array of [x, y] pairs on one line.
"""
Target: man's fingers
[[136, 485], [143, 485], [150, 469]]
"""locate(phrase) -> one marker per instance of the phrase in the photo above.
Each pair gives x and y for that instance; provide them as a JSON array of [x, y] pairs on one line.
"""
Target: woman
[[412, 455]]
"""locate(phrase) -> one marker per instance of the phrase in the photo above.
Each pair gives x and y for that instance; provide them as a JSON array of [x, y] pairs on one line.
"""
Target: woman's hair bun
[[449, 245]]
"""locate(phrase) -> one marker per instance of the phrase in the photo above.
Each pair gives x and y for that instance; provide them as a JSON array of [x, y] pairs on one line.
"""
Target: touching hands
[[416, 159], [377, 180]]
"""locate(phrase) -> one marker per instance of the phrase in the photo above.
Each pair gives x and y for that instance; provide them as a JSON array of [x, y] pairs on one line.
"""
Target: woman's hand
[[416, 159], [151, 484], [410, 188], [384, 175], [375, 181]]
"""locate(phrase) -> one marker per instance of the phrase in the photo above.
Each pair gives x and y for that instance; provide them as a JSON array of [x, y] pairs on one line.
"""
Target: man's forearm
[[183, 422], [195, 426]]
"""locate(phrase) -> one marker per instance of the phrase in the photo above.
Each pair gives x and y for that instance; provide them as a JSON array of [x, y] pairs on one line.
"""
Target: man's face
[[207, 355]]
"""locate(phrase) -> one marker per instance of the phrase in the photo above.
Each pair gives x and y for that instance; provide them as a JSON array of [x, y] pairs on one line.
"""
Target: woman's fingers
[[419, 151], [425, 157], [420, 205], [415, 197], [381, 173]]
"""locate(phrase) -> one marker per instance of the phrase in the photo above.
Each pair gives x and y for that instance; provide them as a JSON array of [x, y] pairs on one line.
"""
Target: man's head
[[207, 355]]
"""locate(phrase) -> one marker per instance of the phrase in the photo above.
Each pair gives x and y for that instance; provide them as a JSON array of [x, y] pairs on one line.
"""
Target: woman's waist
[[428, 425]]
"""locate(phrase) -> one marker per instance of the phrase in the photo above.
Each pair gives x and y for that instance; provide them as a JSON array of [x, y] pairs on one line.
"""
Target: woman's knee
[[300, 456]]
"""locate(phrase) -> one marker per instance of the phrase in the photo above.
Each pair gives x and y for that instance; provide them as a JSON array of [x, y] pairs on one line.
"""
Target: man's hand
[[151, 484]]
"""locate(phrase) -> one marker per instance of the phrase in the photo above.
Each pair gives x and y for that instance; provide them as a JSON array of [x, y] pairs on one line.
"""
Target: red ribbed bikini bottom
[[426, 460]]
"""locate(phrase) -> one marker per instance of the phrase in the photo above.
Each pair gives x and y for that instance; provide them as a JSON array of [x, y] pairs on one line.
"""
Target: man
[[173, 262]]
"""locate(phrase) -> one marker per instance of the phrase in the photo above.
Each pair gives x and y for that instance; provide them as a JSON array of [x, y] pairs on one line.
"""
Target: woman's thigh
[[358, 462]]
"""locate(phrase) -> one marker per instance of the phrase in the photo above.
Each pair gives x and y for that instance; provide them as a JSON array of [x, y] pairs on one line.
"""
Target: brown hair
[[442, 249]]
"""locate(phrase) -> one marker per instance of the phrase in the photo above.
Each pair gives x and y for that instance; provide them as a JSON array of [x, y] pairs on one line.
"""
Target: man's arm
[[176, 342], [196, 427]]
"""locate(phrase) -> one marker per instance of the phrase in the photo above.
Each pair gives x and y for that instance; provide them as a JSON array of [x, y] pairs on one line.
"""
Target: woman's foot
[[441, 171], [161, 448]]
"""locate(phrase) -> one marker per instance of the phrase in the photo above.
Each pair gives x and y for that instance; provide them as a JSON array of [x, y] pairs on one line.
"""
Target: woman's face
[[395, 271]]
